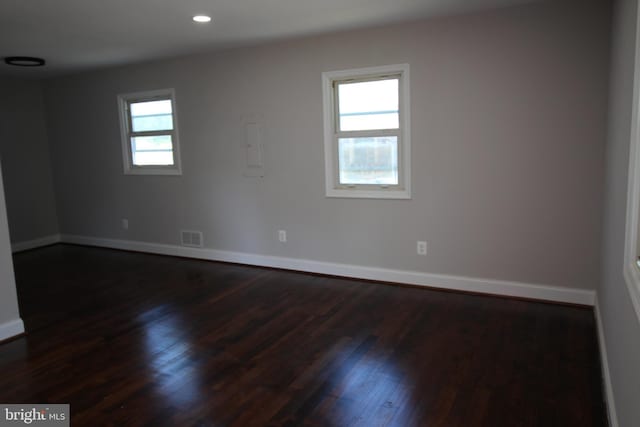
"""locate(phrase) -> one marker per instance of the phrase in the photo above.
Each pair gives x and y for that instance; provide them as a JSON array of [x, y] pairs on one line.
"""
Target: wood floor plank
[[132, 339]]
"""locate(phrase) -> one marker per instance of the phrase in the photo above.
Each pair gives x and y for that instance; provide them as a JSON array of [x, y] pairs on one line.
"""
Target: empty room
[[330, 213]]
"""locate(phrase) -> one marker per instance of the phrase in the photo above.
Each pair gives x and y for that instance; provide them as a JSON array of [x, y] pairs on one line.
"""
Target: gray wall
[[26, 165], [8, 295], [508, 123], [620, 323]]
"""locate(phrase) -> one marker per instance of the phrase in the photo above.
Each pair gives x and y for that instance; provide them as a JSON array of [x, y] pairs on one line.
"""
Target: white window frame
[[124, 100], [632, 242], [331, 134]]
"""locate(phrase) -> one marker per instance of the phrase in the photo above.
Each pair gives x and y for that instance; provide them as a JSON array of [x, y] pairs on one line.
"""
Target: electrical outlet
[[282, 236], [125, 224], [422, 248]]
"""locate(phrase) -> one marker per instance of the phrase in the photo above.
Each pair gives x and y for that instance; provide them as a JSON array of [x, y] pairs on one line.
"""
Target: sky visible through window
[[151, 115], [369, 105]]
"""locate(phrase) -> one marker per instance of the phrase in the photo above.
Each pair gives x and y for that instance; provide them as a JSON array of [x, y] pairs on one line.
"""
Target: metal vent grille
[[191, 238]]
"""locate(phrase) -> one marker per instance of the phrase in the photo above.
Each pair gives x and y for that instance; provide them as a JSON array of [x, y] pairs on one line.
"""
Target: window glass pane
[[368, 105], [151, 115], [152, 150], [369, 160]]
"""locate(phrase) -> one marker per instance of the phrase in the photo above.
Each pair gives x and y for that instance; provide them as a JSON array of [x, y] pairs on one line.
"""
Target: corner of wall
[[11, 329], [604, 366]]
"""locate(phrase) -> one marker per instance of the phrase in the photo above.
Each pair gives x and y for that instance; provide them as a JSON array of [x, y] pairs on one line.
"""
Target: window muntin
[[149, 133], [367, 132]]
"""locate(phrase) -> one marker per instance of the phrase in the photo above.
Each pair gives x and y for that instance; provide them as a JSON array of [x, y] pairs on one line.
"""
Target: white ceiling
[[76, 35]]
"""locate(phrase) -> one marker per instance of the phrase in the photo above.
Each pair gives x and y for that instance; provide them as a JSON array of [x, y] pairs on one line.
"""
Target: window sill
[[153, 171], [368, 194]]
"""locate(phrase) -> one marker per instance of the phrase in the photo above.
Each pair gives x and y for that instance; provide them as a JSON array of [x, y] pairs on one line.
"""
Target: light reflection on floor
[[171, 358], [365, 380], [372, 384]]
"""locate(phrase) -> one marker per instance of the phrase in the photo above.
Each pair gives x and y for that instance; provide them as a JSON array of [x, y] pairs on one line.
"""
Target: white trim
[[127, 157], [35, 243], [630, 269], [485, 286], [11, 329], [331, 187], [606, 375]]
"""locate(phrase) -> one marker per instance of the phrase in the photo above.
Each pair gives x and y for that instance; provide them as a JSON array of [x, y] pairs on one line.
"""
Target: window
[[149, 131], [366, 126]]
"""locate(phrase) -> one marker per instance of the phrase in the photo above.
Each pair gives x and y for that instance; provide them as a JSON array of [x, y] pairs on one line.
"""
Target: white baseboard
[[606, 375], [11, 329], [35, 243], [486, 286]]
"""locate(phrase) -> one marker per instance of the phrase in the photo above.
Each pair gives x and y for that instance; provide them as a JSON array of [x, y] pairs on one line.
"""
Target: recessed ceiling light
[[201, 19], [24, 61]]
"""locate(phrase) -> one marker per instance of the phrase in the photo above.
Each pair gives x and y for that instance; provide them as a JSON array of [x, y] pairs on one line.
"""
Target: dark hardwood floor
[[133, 339]]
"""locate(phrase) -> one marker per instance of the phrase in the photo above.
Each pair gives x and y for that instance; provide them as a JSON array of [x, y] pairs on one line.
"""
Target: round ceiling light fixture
[[201, 19], [24, 61]]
